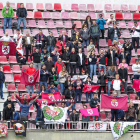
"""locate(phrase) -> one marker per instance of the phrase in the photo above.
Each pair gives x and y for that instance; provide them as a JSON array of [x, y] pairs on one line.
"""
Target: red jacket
[[59, 66], [30, 71]]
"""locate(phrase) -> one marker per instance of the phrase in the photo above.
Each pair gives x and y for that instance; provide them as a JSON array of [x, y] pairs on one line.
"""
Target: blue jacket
[[24, 11], [44, 77], [101, 23], [24, 108], [54, 57], [53, 90]]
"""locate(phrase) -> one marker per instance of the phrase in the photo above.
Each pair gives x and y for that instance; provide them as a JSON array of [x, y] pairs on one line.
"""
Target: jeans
[[50, 49], [114, 112], [19, 22], [28, 48], [30, 87], [62, 87], [85, 42], [37, 66], [92, 67], [128, 59], [40, 84], [115, 38], [9, 21], [1, 89], [68, 104], [87, 94], [97, 41], [102, 67], [80, 95], [136, 76], [98, 117], [109, 87]]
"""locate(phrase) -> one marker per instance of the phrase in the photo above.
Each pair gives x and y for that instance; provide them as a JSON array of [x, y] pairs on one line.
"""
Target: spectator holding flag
[[42, 89], [52, 88]]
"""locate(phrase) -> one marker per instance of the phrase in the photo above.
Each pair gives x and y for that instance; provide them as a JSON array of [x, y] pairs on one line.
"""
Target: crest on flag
[[30, 79], [19, 128], [90, 111], [44, 101], [114, 102], [5, 48], [51, 97]]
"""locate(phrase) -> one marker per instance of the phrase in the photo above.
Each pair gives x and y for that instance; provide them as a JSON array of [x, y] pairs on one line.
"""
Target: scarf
[[72, 52], [7, 9], [79, 82], [38, 39]]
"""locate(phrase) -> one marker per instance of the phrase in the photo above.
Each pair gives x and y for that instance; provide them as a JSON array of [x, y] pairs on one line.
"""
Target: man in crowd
[[8, 101], [6, 38], [52, 88], [49, 64], [72, 44], [21, 14], [36, 59], [7, 13], [63, 38], [55, 54], [59, 65], [44, 56], [2, 80], [51, 42], [28, 43], [74, 119], [136, 69], [122, 55]]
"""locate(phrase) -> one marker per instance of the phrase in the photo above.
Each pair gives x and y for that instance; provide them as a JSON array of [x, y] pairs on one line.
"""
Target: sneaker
[[2, 98]]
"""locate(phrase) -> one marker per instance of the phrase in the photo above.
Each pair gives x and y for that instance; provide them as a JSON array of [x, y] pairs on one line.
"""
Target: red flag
[[114, 102], [51, 96], [29, 80], [136, 84], [89, 112], [44, 101], [7, 48], [90, 88]]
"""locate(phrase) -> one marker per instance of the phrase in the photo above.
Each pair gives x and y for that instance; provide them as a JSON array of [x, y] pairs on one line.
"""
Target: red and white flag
[[19, 44], [90, 88], [51, 96]]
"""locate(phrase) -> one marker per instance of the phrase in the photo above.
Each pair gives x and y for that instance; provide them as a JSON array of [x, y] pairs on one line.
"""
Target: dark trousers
[[109, 33], [23, 118], [100, 88], [81, 68], [97, 41], [128, 59], [28, 48], [73, 67], [136, 76], [131, 119], [85, 125], [114, 112], [67, 67], [73, 125], [135, 39], [102, 32]]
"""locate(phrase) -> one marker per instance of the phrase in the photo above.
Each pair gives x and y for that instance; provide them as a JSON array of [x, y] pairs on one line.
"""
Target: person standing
[[63, 38], [55, 54], [136, 69], [21, 14], [74, 119], [88, 21], [7, 13], [49, 64], [73, 32], [2, 80], [101, 22], [44, 56], [59, 65]]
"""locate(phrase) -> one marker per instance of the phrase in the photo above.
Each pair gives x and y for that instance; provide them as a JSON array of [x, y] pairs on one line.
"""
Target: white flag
[[19, 45], [98, 126]]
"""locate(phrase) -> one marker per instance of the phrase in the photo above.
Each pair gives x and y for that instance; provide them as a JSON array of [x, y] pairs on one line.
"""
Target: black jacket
[[73, 57], [68, 95], [83, 59], [7, 113], [120, 56], [2, 77], [65, 55], [75, 85], [19, 11], [93, 59], [102, 79], [71, 45], [109, 62], [12, 104], [49, 65], [53, 41], [74, 117], [94, 102], [128, 49], [123, 74], [73, 34], [44, 77], [112, 33], [51, 78], [102, 60], [86, 22], [61, 38], [36, 57]]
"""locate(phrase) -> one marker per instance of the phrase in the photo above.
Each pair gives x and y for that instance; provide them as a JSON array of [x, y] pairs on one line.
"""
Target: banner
[[29, 80], [38, 123], [51, 96], [7, 48], [97, 126], [135, 101], [63, 100], [89, 112], [44, 101], [54, 114], [136, 84], [90, 88], [3, 130], [114, 102], [20, 128]]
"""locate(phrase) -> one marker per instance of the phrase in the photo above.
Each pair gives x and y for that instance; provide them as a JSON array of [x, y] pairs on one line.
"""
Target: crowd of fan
[[59, 66]]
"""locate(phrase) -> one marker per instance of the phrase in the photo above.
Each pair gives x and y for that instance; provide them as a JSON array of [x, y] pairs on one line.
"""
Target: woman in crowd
[[123, 63], [115, 46], [90, 48], [42, 90], [68, 82], [54, 77], [88, 22], [73, 32]]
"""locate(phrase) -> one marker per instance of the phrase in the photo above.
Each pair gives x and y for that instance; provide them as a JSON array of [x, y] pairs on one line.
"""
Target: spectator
[[123, 63], [66, 57], [95, 33], [36, 59], [102, 60], [85, 120], [73, 32], [110, 22], [130, 114], [7, 13], [44, 56], [49, 64], [73, 61], [21, 14], [53, 77], [115, 46], [59, 65], [138, 115], [84, 33], [62, 78], [52, 88], [135, 34], [94, 103], [92, 63], [81, 60], [28, 43], [78, 84], [30, 71], [127, 49], [90, 48], [40, 40], [122, 55], [136, 98], [8, 101], [110, 75], [101, 22], [79, 46], [2, 80], [116, 85], [114, 112], [74, 119], [84, 76], [111, 54], [17, 37], [121, 115], [42, 89], [114, 33], [88, 21], [51, 42], [136, 69], [102, 81], [20, 59], [6, 38], [68, 82], [55, 54], [63, 38], [72, 44]]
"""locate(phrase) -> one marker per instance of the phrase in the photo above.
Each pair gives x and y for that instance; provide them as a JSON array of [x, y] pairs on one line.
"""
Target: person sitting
[[74, 119]]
